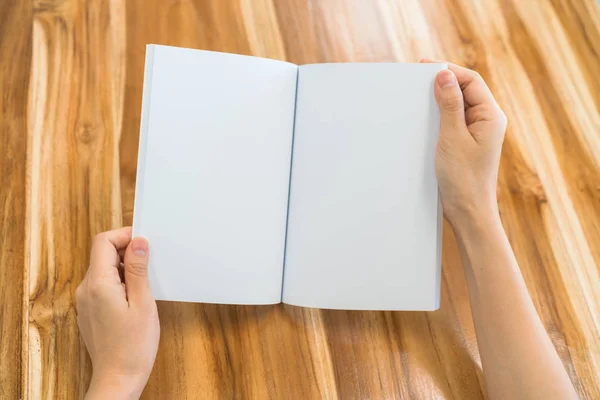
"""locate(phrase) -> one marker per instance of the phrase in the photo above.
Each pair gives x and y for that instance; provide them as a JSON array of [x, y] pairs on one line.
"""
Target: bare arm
[[519, 360]]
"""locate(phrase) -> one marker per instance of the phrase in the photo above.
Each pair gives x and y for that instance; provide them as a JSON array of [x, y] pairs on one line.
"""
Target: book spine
[[287, 218]]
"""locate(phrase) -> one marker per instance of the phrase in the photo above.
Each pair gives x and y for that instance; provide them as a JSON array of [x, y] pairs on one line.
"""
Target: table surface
[[70, 98]]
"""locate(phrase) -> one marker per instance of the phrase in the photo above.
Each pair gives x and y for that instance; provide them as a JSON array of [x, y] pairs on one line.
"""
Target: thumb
[[136, 270], [450, 101]]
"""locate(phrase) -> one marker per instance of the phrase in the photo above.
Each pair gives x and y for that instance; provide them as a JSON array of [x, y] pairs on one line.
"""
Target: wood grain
[[15, 45], [70, 98]]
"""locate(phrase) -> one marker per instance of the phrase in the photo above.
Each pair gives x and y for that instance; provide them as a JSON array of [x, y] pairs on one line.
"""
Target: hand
[[118, 322], [472, 128]]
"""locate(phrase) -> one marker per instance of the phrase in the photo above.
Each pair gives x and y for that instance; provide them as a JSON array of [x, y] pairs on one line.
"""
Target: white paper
[[213, 174], [364, 225]]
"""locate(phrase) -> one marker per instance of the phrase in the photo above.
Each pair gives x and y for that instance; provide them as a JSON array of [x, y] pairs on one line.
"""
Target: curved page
[[364, 226], [213, 174]]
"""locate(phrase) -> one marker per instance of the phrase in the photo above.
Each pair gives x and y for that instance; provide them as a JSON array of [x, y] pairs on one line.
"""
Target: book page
[[364, 225], [213, 174]]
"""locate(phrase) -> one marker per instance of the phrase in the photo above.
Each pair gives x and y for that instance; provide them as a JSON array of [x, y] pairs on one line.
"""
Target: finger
[[475, 90], [136, 271], [120, 237], [450, 101], [105, 248], [480, 113]]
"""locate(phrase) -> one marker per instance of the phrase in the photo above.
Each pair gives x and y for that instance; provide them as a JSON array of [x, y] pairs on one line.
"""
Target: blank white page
[[213, 174], [364, 224]]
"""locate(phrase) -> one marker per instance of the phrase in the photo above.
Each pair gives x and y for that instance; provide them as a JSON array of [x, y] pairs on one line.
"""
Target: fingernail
[[139, 246], [446, 79]]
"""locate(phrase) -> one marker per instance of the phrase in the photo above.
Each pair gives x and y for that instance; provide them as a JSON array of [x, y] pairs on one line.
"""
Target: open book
[[260, 181]]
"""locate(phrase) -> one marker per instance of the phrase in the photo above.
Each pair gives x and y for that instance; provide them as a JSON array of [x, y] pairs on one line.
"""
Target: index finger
[[106, 247], [475, 90]]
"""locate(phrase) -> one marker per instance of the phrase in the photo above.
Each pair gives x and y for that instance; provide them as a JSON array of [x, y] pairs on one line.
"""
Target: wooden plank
[[69, 120], [76, 97], [15, 45]]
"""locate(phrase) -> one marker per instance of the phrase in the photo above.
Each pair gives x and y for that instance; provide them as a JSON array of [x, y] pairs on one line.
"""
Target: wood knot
[[469, 55], [86, 133], [47, 307], [49, 6], [539, 193], [528, 183]]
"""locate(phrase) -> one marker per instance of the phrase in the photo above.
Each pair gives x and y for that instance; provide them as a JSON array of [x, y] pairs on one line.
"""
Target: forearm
[[518, 357]]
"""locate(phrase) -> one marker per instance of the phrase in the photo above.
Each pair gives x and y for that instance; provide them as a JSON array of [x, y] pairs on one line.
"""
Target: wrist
[[473, 217], [104, 386]]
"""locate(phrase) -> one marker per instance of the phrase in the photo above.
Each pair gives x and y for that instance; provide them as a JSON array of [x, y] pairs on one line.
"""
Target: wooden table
[[70, 98]]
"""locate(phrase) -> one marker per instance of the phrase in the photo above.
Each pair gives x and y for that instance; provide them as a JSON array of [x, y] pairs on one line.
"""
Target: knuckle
[[79, 297], [78, 293], [481, 112], [98, 238], [95, 291], [137, 268], [484, 109], [503, 118], [453, 104]]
